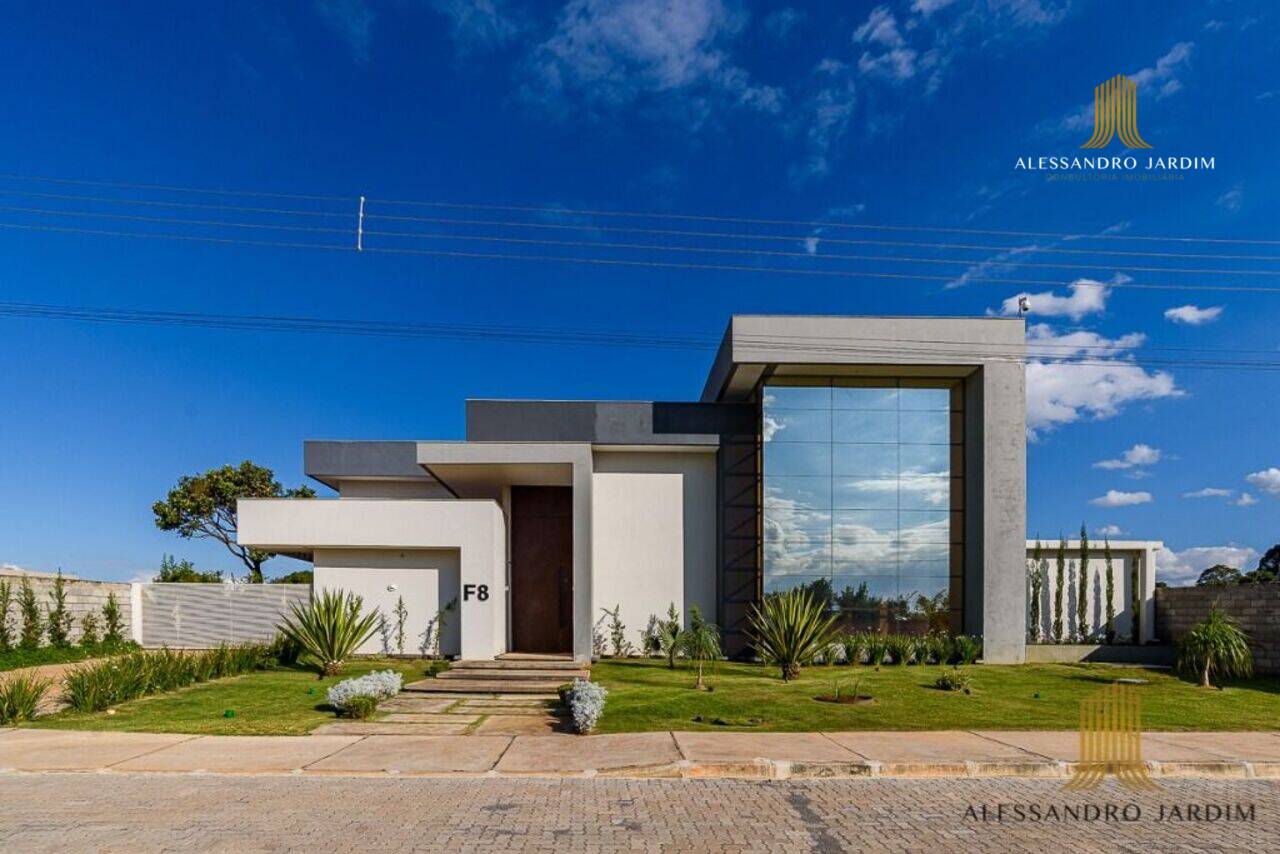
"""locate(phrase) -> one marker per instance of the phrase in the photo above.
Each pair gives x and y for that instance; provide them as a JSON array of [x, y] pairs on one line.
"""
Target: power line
[[175, 220], [1029, 248], [623, 262], [818, 223], [169, 204], [551, 335], [897, 259], [1068, 236]]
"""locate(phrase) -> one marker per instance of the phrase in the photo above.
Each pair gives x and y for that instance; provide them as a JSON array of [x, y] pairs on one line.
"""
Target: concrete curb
[[761, 769]]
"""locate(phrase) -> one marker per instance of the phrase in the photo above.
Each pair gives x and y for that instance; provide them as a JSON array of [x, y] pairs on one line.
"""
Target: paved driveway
[[149, 812]]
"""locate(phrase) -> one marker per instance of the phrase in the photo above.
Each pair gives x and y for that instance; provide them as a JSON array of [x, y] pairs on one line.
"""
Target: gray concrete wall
[[82, 597], [1004, 512], [593, 421], [1254, 606]]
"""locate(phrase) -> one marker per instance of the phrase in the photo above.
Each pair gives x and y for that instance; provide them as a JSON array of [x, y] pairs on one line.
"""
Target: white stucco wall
[[1125, 556], [475, 530], [427, 579], [653, 534]]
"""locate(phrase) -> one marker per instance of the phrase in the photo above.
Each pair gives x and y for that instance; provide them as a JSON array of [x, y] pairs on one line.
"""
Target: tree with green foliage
[[89, 629], [700, 643], [173, 571], [112, 621], [6, 598], [1219, 575], [203, 506], [29, 609], [1035, 581], [1082, 589], [1110, 590], [58, 627], [1215, 648], [1059, 589], [298, 576]]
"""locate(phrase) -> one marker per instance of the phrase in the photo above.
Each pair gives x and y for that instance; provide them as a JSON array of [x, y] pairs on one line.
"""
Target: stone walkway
[[458, 714], [60, 813], [759, 756]]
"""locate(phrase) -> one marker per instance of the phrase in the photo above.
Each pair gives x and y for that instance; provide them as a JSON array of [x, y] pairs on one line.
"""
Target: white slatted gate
[[201, 616]]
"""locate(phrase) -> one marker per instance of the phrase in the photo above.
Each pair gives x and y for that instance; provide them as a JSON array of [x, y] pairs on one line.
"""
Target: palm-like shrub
[[700, 643], [855, 646], [329, 628], [965, 649], [876, 646], [899, 648], [19, 698], [791, 629], [1215, 648]]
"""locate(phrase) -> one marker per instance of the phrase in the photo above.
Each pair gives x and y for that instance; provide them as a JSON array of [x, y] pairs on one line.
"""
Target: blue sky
[[911, 112]]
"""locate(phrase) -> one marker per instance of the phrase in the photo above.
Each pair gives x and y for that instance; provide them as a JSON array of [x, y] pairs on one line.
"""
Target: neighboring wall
[[82, 597], [426, 579], [1254, 606], [653, 535], [202, 616], [1126, 557]]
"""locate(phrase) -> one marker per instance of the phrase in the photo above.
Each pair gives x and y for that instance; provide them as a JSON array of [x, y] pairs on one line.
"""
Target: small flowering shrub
[[586, 704], [350, 696]]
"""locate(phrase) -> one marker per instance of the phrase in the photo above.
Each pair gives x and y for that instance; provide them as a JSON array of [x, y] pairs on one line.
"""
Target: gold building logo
[[1115, 113], [1111, 741]]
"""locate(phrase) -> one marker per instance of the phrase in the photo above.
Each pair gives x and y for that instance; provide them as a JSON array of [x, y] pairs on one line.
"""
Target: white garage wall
[[653, 535], [426, 578]]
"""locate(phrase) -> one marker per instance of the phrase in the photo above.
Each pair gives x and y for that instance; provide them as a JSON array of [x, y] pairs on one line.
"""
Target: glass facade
[[861, 497]]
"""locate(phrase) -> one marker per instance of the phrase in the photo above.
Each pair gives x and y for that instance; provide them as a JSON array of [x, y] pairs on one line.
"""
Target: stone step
[[484, 686], [523, 674], [509, 711], [517, 664], [380, 728]]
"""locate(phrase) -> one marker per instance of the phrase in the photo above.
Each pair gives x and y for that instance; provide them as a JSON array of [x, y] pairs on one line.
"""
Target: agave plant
[[899, 648], [791, 629], [329, 628], [1215, 648], [855, 646]]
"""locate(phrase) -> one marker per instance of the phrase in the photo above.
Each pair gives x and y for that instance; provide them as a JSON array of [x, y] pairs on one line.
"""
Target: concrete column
[[1004, 511], [135, 612]]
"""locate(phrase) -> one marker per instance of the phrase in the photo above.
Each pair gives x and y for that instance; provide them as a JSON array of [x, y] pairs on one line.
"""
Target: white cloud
[[1061, 391], [928, 7], [1213, 25], [478, 25], [1193, 315], [1139, 455], [1109, 531], [608, 54], [1184, 567], [1268, 480], [1246, 500], [1210, 492], [1165, 71], [1087, 297], [1116, 498], [1232, 199], [881, 27], [352, 21]]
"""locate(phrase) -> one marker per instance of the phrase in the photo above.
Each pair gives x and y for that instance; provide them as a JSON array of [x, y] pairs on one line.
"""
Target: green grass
[[12, 659], [645, 695], [276, 701]]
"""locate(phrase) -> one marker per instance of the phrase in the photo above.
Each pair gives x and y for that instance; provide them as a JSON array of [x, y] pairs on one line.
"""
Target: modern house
[[878, 461]]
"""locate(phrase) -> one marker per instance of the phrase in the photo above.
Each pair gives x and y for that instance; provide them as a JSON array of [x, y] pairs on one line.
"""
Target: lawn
[[276, 701], [645, 695]]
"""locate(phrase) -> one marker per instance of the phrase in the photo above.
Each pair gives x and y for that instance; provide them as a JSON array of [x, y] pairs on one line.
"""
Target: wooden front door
[[542, 569]]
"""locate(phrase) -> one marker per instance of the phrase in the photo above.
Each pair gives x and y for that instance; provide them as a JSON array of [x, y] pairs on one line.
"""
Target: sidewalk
[[761, 756]]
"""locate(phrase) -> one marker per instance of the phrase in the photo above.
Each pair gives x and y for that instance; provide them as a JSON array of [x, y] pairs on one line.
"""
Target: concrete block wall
[[82, 597], [1254, 607]]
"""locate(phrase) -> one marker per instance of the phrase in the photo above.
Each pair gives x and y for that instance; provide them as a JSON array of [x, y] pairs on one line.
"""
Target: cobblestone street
[[140, 812]]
